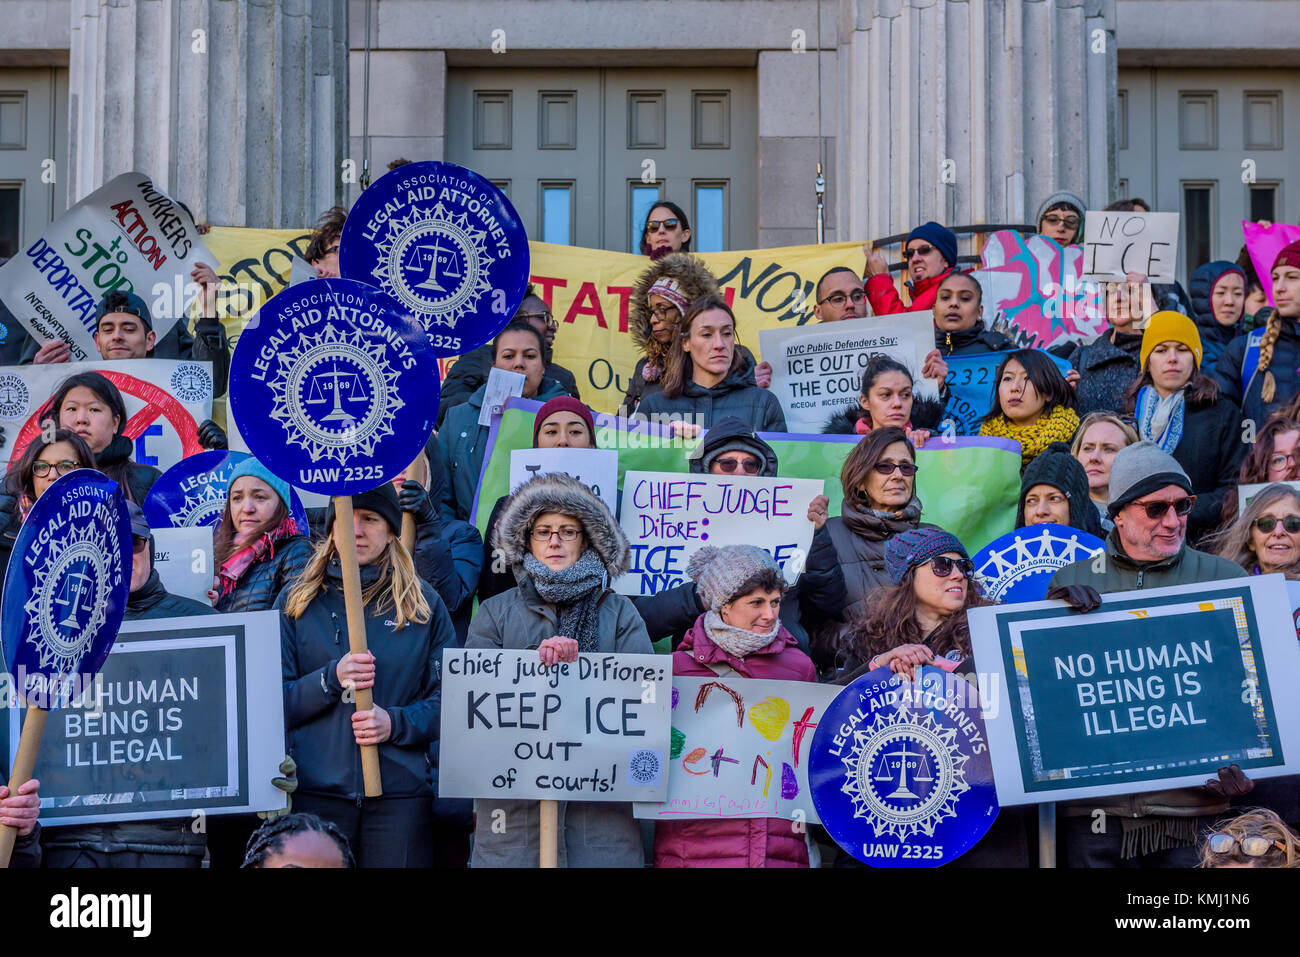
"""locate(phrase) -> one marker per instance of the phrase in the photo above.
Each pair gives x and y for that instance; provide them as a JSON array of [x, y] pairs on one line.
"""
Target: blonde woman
[[1099, 439], [407, 627], [1257, 837], [1265, 538]]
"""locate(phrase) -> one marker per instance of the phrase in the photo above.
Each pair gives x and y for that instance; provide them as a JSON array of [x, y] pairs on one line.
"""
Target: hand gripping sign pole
[[64, 597], [352, 389], [415, 472]]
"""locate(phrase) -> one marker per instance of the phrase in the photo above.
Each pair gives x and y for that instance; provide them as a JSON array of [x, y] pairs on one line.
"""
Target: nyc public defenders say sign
[[1156, 689], [593, 730]]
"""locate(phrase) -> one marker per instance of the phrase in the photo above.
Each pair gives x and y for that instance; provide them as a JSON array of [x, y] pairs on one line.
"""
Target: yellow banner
[[588, 290]]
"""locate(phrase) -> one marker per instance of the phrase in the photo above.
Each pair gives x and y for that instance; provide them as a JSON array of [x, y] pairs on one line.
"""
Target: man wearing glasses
[[1150, 499], [840, 296], [471, 370], [930, 253]]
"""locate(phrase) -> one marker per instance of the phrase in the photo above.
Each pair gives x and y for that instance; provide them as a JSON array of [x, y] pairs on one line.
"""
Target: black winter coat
[[135, 479], [638, 388], [1210, 452], [969, 342], [471, 371], [172, 836], [263, 581], [408, 677], [1106, 370], [736, 395], [1285, 368]]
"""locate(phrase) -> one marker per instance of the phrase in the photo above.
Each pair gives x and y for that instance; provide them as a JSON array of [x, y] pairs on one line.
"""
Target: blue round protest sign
[[334, 386], [193, 492], [900, 770], [447, 244], [66, 588], [1018, 566]]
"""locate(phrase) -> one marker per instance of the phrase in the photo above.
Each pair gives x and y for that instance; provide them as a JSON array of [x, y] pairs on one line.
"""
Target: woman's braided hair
[[1271, 331], [270, 837]]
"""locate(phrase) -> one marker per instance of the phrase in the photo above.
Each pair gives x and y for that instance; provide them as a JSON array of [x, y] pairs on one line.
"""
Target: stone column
[[236, 107], [972, 111]]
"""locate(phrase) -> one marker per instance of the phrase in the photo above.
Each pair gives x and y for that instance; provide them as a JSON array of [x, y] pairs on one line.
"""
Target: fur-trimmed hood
[[926, 414], [695, 279], [557, 492]]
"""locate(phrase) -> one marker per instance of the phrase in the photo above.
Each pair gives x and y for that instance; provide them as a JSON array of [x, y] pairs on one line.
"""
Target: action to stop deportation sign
[[188, 716], [1156, 689], [592, 730]]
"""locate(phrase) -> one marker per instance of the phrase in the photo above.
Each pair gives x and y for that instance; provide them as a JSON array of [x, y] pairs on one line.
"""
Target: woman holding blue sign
[[958, 319], [40, 465], [258, 548], [406, 629], [564, 547], [88, 404]]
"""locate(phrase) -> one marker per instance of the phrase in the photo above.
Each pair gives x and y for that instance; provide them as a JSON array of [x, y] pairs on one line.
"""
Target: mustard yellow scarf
[[1059, 425]]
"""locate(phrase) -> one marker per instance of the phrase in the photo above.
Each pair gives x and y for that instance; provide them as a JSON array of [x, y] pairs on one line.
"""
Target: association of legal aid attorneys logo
[[336, 394], [904, 773], [202, 508], [70, 594], [435, 262], [15, 396], [190, 382]]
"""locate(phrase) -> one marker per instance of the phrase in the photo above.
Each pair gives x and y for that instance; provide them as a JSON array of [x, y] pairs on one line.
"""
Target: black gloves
[[212, 436], [1231, 782], [413, 498], [1081, 598]]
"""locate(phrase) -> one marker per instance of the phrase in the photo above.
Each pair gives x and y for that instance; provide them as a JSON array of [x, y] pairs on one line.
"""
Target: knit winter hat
[[940, 237], [916, 546], [1055, 466], [1288, 255], [564, 403], [1140, 469], [381, 500], [1064, 196], [252, 467], [1170, 326], [720, 573], [671, 290], [119, 300]]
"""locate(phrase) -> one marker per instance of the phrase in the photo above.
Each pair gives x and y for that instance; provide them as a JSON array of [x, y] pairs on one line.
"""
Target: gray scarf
[[574, 591], [736, 642]]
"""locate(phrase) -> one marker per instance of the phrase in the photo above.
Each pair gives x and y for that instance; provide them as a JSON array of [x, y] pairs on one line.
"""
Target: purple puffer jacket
[[737, 842]]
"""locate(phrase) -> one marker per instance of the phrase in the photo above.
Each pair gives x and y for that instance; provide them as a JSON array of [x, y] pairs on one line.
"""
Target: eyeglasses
[[750, 466], [664, 313], [567, 534], [943, 566], [1266, 523], [837, 298], [62, 467], [1069, 222], [1157, 510], [887, 468], [1281, 460], [547, 318], [923, 250], [1254, 845], [652, 226]]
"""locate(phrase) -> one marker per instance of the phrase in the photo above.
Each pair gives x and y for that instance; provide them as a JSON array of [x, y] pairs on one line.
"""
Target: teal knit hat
[[251, 466]]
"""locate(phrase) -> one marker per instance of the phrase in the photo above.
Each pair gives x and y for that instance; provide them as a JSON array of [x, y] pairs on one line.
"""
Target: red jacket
[[884, 297], [735, 842]]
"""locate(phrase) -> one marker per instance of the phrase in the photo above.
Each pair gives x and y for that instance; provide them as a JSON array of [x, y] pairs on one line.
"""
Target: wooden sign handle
[[29, 745], [550, 842], [346, 543], [415, 472]]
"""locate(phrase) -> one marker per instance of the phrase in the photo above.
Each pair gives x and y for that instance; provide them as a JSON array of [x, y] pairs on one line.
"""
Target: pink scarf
[[863, 426], [233, 568]]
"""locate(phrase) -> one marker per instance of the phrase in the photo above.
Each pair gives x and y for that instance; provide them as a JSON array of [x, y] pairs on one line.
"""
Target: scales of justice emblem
[[70, 596], [904, 773], [336, 395], [435, 263]]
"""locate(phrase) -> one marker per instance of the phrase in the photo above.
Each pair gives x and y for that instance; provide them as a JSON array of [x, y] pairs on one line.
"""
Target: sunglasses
[[1157, 510], [837, 298], [1252, 846], [652, 226], [943, 566], [887, 468], [923, 250], [1267, 523], [1070, 222], [749, 466], [62, 467]]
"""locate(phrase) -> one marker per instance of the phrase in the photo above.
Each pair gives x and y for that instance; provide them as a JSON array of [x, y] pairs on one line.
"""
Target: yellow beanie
[[1170, 326]]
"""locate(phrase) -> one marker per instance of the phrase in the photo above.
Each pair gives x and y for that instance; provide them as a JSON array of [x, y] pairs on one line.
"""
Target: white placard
[[593, 730], [165, 399], [501, 385], [595, 468], [125, 235], [764, 730], [817, 368], [1116, 243], [183, 559], [1246, 492], [669, 516], [1156, 689]]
